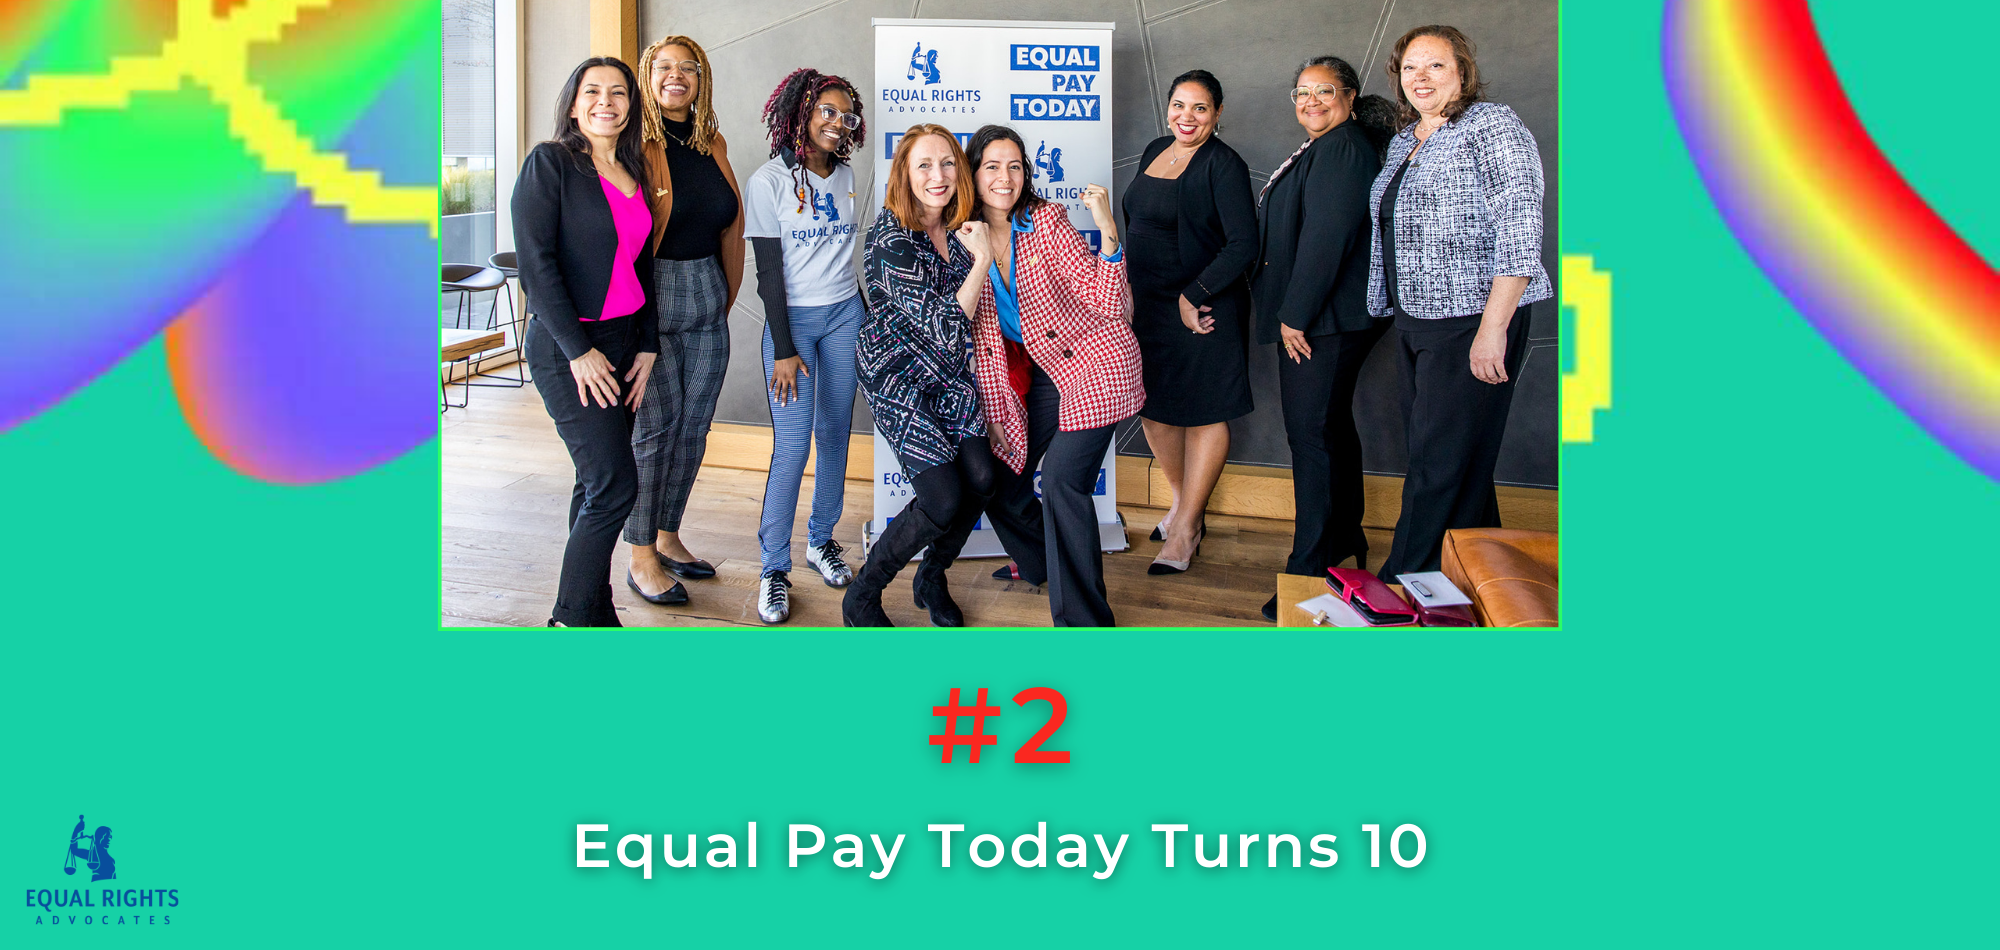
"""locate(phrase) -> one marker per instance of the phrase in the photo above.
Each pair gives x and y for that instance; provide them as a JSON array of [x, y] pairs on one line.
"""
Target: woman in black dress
[[1312, 296], [1191, 231]]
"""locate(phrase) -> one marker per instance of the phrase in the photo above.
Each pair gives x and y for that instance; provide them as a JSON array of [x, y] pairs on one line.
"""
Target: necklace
[[1174, 161], [669, 134]]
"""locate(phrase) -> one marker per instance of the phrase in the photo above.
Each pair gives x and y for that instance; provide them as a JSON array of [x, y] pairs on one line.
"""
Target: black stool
[[466, 280]]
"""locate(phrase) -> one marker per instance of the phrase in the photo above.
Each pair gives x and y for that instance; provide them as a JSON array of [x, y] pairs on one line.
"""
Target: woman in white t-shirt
[[800, 212]]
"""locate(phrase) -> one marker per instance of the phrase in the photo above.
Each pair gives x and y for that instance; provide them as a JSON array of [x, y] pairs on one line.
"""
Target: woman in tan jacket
[[697, 251]]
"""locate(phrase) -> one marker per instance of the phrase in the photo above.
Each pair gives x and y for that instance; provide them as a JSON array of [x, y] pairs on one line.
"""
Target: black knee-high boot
[[907, 534], [929, 587]]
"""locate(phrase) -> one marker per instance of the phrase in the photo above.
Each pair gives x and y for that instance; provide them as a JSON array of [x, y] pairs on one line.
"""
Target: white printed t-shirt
[[816, 230]]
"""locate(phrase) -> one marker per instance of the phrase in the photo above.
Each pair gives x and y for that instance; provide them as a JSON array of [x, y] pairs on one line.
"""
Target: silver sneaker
[[774, 597], [825, 559]]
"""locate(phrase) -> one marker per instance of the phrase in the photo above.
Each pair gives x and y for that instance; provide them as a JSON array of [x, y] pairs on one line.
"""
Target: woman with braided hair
[[697, 253], [800, 212]]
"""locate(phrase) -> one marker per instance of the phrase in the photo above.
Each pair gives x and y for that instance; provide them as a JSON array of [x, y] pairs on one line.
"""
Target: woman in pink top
[[582, 224]]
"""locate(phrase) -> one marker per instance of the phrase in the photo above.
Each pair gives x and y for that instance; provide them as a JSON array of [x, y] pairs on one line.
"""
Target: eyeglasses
[[1324, 91], [688, 66], [848, 120]]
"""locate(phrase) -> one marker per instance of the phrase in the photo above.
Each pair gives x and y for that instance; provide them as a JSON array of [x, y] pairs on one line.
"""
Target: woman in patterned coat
[[1457, 215], [1058, 370], [924, 266]]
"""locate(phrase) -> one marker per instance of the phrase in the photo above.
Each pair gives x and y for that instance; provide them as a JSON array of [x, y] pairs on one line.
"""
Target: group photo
[[1240, 313]]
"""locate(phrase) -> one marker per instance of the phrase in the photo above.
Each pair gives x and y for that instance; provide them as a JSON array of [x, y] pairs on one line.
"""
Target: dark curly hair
[[1379, 118], [789, 110]]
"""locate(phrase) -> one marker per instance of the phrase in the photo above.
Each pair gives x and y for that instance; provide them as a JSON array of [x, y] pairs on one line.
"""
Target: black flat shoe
[[1271, 609], [669, 597], [1161, 566], [695, 570]]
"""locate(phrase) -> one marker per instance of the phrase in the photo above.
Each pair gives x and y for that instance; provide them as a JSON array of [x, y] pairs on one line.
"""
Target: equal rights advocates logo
[[923, 91], [1072, 70], [108, 905]]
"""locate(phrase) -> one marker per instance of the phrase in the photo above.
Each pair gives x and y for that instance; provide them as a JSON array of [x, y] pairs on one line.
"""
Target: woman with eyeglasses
[[583, 227], [1312, 296], [924, 267], [800, 212], [1457, 219], [1191, 239], [697, 249]]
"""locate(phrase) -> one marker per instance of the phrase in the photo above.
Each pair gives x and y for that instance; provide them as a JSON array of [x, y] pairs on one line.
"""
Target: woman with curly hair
[[800, 212], [697, 251]]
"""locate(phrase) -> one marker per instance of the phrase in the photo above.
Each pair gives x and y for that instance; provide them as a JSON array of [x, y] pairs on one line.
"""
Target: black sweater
[[1314, 274], [1218, 222], [568, 244]]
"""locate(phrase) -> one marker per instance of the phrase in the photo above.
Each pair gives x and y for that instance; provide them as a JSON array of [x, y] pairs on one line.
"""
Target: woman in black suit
[[582, 224], [1191, 233], [1312, 296]]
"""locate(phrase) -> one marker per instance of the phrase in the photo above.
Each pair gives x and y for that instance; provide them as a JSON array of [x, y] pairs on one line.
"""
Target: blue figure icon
[[924, 64], [824, 203], [1049, 160], [96, 853]]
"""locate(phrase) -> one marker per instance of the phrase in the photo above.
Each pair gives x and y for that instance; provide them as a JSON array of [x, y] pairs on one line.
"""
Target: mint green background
[[247, 684]]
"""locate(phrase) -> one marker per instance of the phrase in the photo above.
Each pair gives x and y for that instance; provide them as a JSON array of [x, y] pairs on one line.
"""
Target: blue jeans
[[822, 414]]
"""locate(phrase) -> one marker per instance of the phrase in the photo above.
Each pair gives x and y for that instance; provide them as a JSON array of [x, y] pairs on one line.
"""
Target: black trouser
[[1054, 539], [1318, 399], [1454, 424], [607, 481], [948, 499]]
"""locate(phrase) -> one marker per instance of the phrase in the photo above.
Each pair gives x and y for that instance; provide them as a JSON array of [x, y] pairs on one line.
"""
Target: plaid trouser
[[671, 432]]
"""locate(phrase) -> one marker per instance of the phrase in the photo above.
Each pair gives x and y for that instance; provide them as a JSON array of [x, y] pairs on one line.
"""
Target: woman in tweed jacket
[[1058, 370], [1457, 251], [922, 267]]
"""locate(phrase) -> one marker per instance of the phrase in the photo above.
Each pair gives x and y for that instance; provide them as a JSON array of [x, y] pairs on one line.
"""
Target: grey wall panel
[[1252, 49], [1133, 116], [1251, 45], [558, 39]]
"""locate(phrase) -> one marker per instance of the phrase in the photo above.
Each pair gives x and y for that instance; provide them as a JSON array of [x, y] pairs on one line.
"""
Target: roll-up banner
[[1050, 81]]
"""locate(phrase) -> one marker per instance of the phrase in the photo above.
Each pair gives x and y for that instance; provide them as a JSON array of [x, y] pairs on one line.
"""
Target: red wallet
[[1449, 615], [1370, 598]]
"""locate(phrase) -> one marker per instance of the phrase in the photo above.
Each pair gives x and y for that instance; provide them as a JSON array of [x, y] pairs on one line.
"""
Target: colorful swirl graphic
[[254, 177], [1831, 221]]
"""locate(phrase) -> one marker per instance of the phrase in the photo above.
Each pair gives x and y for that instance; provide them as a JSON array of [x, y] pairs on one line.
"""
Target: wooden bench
[[456, 346]]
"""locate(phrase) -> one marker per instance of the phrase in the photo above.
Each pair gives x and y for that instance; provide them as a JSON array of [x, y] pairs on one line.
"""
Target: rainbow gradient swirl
[[1833, 224], [256, 179]]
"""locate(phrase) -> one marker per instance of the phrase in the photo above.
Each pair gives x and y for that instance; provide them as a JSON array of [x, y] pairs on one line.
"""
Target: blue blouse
[[1004, 302]]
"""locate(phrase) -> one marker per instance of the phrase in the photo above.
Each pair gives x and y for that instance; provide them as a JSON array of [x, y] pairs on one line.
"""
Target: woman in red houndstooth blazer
[[1058, 369]]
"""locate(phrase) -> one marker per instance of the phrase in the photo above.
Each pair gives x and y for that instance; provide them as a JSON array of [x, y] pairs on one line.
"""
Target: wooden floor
[[506, 498]]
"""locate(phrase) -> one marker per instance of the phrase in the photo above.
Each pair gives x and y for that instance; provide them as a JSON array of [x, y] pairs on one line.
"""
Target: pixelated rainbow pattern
[[256, 178], [1829, 219]]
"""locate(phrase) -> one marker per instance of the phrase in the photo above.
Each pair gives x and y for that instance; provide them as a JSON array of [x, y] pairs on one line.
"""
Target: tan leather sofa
[[1510, 574]]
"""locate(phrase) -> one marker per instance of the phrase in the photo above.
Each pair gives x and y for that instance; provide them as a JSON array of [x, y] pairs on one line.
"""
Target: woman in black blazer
[[1312, 296], [582, 224], [1191, 237]]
